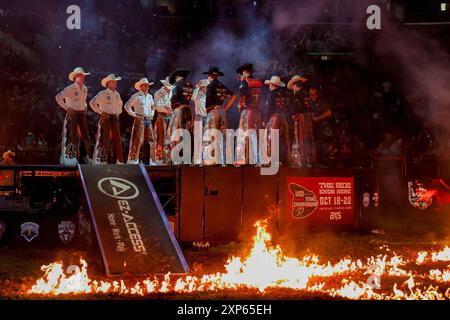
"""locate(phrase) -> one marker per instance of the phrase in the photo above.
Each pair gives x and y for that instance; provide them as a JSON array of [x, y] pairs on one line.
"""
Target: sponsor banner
[[29, 230], [320, 200], [419, 197], [131, 227], [66, 231]]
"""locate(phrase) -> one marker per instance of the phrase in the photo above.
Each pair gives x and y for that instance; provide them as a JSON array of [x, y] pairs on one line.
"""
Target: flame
[[267, 267]]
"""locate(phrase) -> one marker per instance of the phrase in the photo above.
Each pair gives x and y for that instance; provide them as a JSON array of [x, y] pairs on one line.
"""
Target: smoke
[[424, 65], [226, 49]]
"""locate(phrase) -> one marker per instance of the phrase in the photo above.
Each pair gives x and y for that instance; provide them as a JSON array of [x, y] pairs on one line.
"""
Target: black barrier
[[131, 228]]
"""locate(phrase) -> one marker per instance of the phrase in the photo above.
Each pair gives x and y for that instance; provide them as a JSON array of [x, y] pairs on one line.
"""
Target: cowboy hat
[[295, 79], [276, 81], [76, 71], [178, 72], [110, 77], [138, 84], [245, 67], [166, 83], [202, 83], [213, 70]]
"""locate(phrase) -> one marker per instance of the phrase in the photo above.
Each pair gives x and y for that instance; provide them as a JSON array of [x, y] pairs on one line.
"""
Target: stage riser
[[218, 204]]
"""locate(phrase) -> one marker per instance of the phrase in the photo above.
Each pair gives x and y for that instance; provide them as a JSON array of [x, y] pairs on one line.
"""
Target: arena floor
[[408, 272]]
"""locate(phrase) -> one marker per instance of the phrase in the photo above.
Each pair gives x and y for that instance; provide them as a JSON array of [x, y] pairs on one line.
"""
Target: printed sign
[[320, 200], [418, 195], [131, 228], [29, 230], [66, 231]]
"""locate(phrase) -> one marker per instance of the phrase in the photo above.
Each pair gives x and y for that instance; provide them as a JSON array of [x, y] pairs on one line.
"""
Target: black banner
[[132, 230]]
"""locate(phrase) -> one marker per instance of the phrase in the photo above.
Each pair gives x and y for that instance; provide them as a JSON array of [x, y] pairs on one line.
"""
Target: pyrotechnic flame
[[264, 267]]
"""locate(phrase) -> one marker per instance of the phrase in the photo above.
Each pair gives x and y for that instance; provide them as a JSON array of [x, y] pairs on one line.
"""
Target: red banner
[[320, 200]]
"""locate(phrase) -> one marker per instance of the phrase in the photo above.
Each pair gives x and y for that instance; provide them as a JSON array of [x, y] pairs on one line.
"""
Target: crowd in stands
[[35, 62]]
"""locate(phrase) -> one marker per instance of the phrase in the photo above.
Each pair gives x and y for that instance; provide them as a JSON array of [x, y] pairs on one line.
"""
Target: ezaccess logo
[[118, 188]]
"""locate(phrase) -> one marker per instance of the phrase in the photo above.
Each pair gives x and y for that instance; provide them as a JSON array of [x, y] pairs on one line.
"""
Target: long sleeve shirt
[[276, 103], [162, 101], [199, 98], [107, 101], [216, 93], [181, 93], [140, 104], [73, 97]]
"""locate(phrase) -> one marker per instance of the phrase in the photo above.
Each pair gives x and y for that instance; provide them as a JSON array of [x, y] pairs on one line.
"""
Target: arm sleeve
[[94, 103], [60, 99], [129, 105], [120, 104]]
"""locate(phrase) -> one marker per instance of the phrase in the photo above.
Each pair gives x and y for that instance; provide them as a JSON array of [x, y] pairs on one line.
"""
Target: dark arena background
[[357, 208]]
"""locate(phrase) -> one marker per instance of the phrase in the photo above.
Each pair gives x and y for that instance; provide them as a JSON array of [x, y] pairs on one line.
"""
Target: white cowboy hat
[[110, 77], [166, 82], [276, 81], [76, 71], [202, 83], [138, 84], [295, 79]]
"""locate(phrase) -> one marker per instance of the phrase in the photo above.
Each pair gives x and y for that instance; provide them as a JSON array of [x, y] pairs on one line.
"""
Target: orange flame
[[264, 267]]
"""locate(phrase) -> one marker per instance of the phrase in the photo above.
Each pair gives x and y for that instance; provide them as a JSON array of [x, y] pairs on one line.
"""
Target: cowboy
[[276, 105], [163, 112], [303, 153], [142, 109], [181, 97], [108, 104], [216, 119], [250, 120], [73, 100], [199, 98]]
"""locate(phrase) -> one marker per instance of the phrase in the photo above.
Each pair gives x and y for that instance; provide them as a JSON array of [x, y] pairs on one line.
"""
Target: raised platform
[[204, 203]]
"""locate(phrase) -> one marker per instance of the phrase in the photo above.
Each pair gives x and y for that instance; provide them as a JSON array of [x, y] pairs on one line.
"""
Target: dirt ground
[[20, 269]]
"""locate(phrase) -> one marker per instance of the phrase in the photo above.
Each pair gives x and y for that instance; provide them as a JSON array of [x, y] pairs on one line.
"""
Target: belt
[[144, 117]]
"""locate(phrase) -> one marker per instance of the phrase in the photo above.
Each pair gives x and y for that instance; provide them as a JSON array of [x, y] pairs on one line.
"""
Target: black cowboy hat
[[214, 71], [245, 67], [178, 72]]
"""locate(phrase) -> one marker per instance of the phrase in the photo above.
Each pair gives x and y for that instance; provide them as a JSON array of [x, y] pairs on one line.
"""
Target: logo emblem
[[66, 231], [418, 195], [29, 230], [304, 201], [118, 188], [2, 229], [366, 199]]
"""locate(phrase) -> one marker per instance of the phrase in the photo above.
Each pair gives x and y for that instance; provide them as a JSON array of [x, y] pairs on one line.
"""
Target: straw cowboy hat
[[178, 72], [110, 77], [276, 81], [77, 71], [202, 83], [245, 67], [166, 83], [213, 70], [138, 84], [295, 79]]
